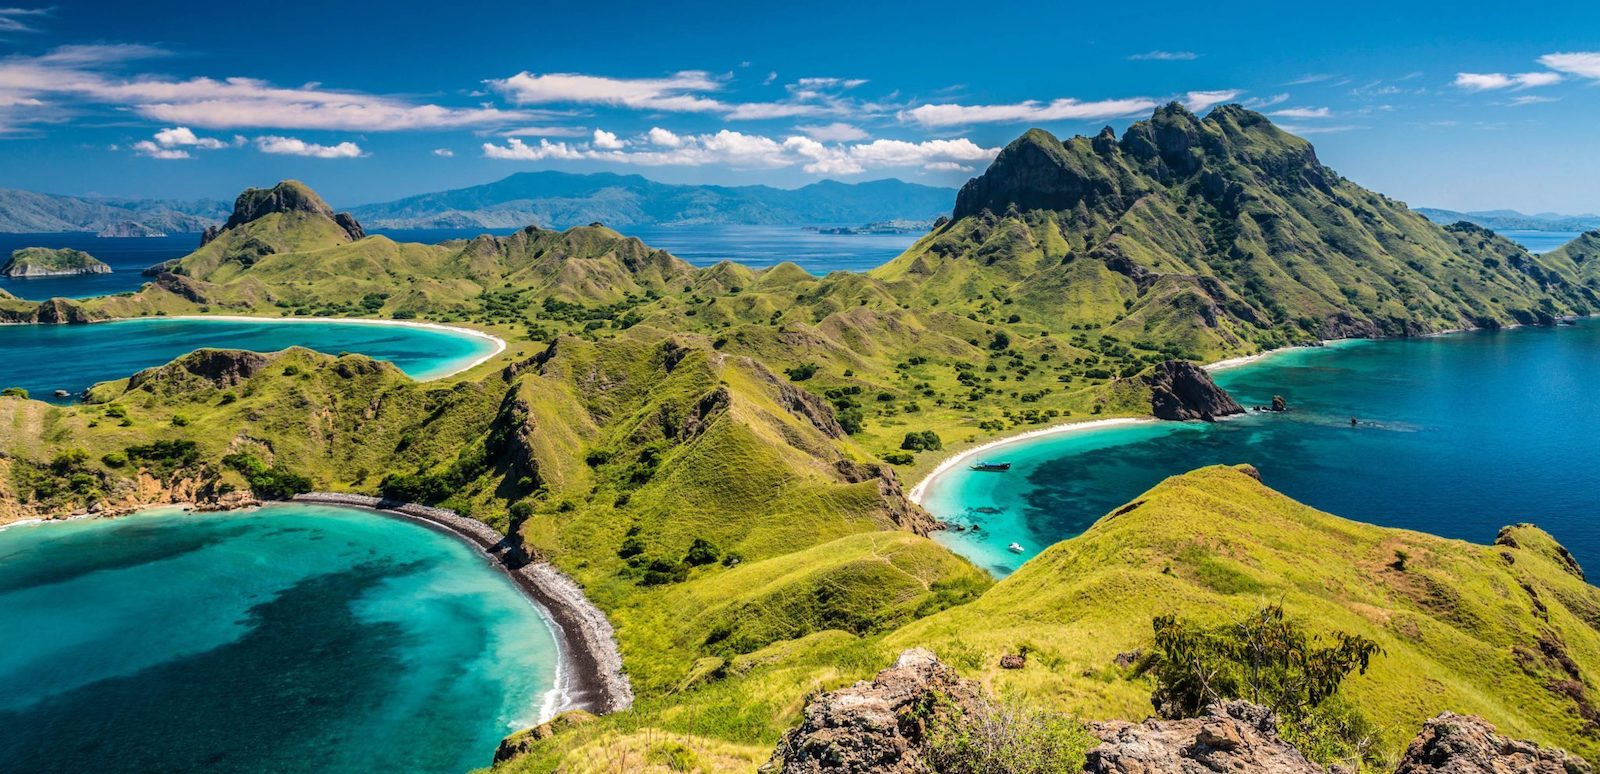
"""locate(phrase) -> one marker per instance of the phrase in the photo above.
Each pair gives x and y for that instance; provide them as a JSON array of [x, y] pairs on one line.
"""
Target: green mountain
[[648, 414], [1511, 220], [560, 200], [29, 212]]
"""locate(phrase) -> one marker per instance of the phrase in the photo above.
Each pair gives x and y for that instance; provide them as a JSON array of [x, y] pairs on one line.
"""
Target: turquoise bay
[[1458, 436], [46, 358], [290, 638]]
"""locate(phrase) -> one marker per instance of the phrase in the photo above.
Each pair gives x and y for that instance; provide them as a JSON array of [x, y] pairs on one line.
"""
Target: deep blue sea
[[44, 358], [1458, 436], [292, 638]]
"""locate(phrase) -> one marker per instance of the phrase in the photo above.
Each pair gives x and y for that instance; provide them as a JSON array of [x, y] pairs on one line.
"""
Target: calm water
[[46, 358], [293, 638], [1460, 436], [1540, 241], [127, 257]]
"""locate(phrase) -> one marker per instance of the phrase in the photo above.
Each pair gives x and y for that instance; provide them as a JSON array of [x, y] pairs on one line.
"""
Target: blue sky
[[1461, 105]]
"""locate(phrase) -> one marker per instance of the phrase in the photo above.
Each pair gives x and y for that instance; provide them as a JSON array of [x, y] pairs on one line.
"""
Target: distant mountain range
[[561, 200], [29, 212], [1511, 220]]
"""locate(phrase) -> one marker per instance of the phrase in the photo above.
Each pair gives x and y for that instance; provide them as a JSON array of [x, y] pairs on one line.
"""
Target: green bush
[[899, 458], [701, 552], [163, 457], [1003, 737], [14, 392], [273, 483], [801, 372], [925, 440]]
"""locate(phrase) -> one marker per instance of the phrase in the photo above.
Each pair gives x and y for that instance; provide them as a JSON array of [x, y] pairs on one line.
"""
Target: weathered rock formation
[[1234, 737], [1180, 390], [220, 367], [1464, 744], [878, 726], [285, 197]]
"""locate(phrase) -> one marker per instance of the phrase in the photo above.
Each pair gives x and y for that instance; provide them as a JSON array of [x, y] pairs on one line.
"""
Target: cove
[[287, 638], [44, 358], [1459, 435]]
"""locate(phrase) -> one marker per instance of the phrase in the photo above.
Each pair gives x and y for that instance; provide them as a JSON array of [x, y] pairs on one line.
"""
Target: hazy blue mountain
[[1511, 220], [560, 200], [30, 212]]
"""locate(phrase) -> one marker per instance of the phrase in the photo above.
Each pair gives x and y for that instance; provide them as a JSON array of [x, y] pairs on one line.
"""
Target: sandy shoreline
[[920, 491], [499, 343], [590, 676]]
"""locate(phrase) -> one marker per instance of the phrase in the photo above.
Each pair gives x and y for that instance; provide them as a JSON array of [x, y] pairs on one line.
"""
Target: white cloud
[[183, 135], [1493, 81], [1258, 103], [663, 138], [834, 132], [1316, 128], [545, 131], [77, 73], [1530, 99], [517, 150], [157, 151], [1165, 56], [17, 19], [605, 140], [293, 146], [1058, 110], [1318, 112], [661, 147], [1584, 64], [677, 93], [445, 152]]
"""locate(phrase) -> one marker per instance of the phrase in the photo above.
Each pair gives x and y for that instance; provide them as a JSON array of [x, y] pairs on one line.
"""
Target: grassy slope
[[1462, 625]]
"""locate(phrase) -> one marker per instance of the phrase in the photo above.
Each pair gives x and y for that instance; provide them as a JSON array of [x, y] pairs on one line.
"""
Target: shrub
[[701, 552], [993, 737], [163, 457], [1269, 659], [273, 483], [899, 458], [14, 392], [925, 440], [801, 372]]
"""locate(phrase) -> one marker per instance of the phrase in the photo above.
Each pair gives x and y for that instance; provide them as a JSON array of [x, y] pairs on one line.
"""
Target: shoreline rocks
[[1181, 390]]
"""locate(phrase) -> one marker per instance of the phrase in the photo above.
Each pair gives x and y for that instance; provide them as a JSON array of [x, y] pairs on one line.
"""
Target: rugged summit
[[286, 197], [1215, 234]]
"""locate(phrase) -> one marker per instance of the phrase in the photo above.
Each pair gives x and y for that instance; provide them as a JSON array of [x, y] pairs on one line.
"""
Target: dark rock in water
[[1236, 737], [1279, 404], [1180, 390], [879, 726], [1464, 744]]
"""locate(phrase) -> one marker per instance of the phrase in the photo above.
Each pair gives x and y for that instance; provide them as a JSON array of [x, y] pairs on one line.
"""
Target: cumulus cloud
[[80, 73], [740, 150], [1066, 109], [517, 150], [158, 151], [1494, 81], [294, 146], [1165, 56], [1584, 64], [445, 152], [834, 132], [183, 135]]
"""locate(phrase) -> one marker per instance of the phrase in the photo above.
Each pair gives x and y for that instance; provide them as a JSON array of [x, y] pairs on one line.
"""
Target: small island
[[47, 262], [129, 228]]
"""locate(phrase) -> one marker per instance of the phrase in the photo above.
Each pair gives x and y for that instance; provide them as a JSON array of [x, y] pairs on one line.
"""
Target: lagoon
[[1458, 436], [287, 638], [45, 358]]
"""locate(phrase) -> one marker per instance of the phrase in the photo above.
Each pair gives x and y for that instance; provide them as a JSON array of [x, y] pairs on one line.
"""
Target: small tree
[[700, 552]]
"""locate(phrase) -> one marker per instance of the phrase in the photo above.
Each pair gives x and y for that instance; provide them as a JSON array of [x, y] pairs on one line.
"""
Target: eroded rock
[[1465, 744], [1181, 390], [1236, 736]]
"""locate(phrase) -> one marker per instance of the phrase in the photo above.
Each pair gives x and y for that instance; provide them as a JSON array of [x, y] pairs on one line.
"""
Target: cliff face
[[1180, 390]]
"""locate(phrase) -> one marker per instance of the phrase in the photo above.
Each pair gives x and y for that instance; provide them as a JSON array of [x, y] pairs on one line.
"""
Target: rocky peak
[[1464, 744], [285, 197], [1037, 172], [1236, 736], [1181, 390], [218, 367], [877, 726]]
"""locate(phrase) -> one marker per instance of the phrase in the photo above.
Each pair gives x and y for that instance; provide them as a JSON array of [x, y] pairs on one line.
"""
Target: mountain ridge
[[553, 199], [30, 212]]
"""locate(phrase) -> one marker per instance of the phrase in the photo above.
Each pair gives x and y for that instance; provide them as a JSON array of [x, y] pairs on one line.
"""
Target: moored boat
[[992, 467], [1015, 548]]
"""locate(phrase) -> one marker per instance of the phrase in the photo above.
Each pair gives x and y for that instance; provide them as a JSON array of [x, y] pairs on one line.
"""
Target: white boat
[[1015, 548]]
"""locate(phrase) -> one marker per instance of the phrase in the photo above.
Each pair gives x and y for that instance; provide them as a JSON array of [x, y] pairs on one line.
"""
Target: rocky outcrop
[[897, 506], [53, 311], [286, 197], [1236, 737], [1464, 744], [219, 367], [1180, 390], [877, 726], [523, 742]]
